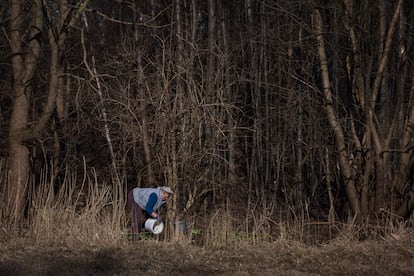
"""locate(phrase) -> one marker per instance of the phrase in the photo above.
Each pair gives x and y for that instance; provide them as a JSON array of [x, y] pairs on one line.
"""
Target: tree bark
[[344, 160], [24, 62]]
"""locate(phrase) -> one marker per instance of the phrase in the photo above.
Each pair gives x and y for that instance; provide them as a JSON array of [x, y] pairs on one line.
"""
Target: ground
[[393, 255]]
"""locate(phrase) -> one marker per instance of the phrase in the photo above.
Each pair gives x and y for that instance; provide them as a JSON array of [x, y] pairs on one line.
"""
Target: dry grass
[[90, 215], [83, 231], [93, 214], [280, 257]]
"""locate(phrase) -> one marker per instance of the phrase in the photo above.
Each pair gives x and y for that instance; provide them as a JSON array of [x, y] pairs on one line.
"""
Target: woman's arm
[[149, 207]]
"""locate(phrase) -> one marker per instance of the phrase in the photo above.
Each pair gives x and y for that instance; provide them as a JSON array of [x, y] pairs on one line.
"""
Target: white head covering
[[167, 189]]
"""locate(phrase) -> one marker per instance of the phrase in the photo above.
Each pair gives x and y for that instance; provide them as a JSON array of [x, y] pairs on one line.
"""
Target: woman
[[144, 203]]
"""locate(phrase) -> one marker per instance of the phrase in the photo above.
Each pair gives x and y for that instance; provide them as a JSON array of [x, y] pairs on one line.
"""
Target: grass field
[[390, 255]]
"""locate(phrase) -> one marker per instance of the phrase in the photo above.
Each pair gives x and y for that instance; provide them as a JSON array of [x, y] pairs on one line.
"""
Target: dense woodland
[[262, 108]]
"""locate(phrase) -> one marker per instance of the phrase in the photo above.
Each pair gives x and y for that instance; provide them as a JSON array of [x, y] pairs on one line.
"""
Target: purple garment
[[137, 214]]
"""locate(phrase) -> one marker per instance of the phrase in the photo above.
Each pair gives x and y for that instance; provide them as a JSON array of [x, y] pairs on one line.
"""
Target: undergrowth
[[94, 214]]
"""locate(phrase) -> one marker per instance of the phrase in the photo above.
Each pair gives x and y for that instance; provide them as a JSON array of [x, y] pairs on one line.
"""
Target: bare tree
[[26, 51], [373, 145]]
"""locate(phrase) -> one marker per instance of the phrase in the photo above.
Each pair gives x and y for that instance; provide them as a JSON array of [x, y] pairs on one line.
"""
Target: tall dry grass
[[89, 214], [223, 229]]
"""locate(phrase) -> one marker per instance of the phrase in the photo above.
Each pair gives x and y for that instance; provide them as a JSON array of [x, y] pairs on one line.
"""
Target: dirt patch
[[393, 256]]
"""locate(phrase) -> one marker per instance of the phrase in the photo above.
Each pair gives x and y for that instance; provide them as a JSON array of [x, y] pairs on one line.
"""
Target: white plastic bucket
[[154, 226]]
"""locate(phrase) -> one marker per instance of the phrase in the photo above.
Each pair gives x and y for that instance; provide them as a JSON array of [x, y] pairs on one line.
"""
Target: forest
[[266, 117]]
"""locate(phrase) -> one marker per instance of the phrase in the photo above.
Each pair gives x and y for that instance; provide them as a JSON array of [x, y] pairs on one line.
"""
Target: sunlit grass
[[89, 213]]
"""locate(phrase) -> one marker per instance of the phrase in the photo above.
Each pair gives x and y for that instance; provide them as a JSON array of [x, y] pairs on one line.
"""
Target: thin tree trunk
[[231, 115], [344, 161], [381, 143], [329, 181], [406, 162], [151, 181]]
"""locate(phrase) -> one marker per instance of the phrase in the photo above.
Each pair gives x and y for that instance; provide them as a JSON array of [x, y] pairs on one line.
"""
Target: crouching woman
[[144, 203]]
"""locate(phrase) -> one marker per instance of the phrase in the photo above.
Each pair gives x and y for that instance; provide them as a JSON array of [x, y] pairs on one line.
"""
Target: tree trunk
[[344, 160], [230, 117], [24, 67], [24, 63]]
